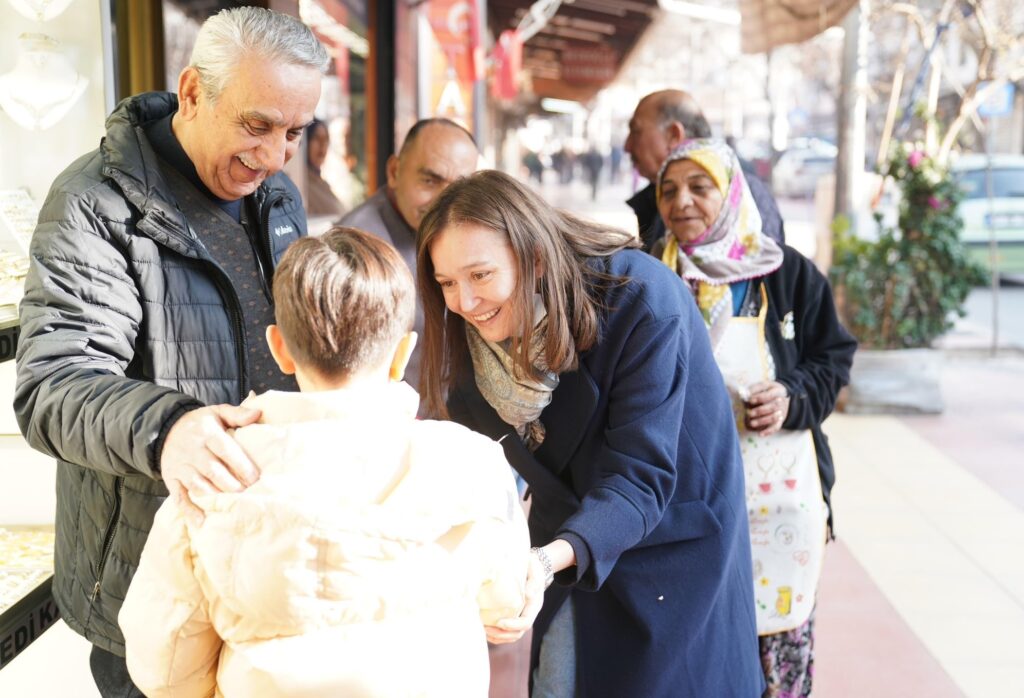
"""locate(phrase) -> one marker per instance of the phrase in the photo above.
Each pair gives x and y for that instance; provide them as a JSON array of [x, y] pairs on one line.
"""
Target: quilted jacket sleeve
[[171, 647], [80, 321]]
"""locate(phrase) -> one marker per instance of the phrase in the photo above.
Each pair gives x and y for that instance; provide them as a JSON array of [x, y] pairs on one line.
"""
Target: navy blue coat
[[641, 472]]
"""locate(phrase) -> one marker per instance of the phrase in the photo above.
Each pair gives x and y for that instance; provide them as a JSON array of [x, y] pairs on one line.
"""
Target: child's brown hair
[[342, 301]]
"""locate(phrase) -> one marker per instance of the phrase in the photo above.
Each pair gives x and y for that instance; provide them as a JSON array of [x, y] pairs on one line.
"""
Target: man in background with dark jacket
[[661, 122], [147, 301]]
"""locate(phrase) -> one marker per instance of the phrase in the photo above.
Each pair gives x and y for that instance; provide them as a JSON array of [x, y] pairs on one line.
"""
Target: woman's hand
[[767, 407], [511, 629]]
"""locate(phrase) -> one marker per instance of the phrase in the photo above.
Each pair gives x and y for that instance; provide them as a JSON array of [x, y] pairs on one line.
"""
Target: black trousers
[[110, 673]]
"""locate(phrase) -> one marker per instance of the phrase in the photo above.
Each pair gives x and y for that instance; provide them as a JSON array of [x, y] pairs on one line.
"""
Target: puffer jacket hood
[[129, 159], [338, 564]]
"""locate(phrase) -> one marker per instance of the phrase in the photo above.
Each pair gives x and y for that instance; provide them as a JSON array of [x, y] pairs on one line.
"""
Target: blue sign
[[998, 103]]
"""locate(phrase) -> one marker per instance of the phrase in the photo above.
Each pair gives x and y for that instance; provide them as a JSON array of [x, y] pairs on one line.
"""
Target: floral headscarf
[[733, 248]]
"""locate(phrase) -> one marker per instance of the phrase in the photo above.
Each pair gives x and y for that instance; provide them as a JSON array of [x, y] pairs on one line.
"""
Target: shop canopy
[[766, 24], [581, 48]]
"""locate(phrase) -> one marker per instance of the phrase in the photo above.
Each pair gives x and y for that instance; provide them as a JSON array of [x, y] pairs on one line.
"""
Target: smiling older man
[[147, 301]]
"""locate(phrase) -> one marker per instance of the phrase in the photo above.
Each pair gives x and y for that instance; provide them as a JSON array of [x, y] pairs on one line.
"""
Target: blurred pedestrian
[[588, 361], [593, 163], [661, 122], [615, 163], [564, 162], [784, 356], [320, 199], [534, 166]]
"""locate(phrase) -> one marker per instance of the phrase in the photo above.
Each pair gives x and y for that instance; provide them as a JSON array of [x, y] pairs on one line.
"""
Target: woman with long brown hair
[[588, 360]]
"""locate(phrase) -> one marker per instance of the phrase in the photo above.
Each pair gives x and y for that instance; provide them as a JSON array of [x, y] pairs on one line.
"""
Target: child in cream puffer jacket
[[374, 547]]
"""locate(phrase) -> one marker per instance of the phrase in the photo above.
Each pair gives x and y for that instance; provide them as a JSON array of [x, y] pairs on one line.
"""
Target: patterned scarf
[[518, 400], [733, 248]]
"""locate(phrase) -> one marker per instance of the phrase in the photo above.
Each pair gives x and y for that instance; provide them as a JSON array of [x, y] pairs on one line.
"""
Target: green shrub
[[905, 289]]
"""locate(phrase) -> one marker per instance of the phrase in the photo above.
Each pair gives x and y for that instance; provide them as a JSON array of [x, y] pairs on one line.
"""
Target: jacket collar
[[373, 403], [643, 201], [129, 160], [392, 218], [565, 420], [645, 205]]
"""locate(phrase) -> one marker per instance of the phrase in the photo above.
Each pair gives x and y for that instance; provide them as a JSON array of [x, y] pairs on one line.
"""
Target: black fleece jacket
[[813, 361]]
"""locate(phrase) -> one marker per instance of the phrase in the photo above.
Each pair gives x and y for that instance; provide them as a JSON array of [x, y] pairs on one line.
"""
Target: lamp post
[[852, 113]]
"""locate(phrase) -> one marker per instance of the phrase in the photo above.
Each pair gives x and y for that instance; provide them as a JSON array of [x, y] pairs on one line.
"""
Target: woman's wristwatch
[[545, 561]]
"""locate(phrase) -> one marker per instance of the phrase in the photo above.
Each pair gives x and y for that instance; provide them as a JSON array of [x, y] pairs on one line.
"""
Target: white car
[[1005, 213], [797, 172]]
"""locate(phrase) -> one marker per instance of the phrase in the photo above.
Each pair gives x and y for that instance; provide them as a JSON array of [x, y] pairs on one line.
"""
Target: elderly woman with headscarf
[[784, 356]]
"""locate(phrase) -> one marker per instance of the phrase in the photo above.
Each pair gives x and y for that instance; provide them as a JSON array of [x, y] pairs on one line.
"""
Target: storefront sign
[[9, 341], [589, 65], [508, 63], [26, 621]]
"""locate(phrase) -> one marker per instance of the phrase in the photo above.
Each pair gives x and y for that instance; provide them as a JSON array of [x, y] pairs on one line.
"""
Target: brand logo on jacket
[[787, 326], [283, 230]]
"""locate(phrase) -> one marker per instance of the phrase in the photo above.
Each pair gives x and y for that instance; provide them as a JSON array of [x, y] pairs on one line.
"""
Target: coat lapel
[[567, 418], [536, 473]]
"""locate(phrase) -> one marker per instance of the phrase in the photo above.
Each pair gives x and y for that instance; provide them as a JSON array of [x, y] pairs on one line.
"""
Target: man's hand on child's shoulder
[[200, 457]]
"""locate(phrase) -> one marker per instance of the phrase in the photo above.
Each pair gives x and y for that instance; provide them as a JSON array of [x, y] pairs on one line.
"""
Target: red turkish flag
[[456, 27], [508, 63]]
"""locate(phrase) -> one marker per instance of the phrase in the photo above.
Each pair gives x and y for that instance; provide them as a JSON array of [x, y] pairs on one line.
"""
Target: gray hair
[[676, 105], [230, 35]]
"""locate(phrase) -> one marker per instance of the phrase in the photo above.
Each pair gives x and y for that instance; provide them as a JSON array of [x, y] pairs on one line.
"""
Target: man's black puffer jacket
[[126, 324]]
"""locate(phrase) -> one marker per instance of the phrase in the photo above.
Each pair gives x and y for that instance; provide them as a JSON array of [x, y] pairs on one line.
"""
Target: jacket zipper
[[108, 540], [224, 284], [268, 205], [232, 305]]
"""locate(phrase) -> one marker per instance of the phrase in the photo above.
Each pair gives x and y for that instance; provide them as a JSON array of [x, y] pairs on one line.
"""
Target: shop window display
[[40, 10], [52, 107], [18, 214], [43, 86], [342, 29]]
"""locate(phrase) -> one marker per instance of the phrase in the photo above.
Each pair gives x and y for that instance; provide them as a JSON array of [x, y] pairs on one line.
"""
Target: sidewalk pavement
[[930, 518]]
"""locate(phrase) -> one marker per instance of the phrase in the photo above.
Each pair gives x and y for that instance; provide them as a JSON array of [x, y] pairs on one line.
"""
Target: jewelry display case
[[26, 528], [54, 84]]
